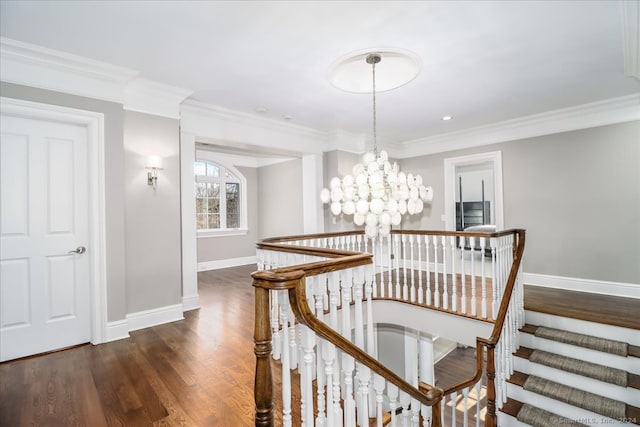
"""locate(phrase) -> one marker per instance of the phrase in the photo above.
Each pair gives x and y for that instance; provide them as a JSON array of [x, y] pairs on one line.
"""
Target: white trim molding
[[157, 316], [626, 290], [31, 65], [450, 165], [94, 124], [150, 97], [631, 37], [117, 330], [221, 124], [601, 113], [226, 263], [189, 242]]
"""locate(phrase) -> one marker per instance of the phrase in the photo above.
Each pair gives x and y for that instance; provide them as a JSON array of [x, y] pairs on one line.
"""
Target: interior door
[[44, 230]]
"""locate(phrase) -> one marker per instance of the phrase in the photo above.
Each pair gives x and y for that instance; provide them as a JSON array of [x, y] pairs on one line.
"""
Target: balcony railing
[[320, 297]]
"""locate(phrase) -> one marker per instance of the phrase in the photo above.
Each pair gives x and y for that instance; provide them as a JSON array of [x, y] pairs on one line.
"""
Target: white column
[[190, 298]]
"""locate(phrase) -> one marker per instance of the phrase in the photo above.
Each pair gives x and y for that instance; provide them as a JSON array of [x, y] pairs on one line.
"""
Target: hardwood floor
[[195, 372], [607, 309]]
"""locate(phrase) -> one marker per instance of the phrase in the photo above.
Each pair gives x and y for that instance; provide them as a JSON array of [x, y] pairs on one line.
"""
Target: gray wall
[[280, 199], [225, 247], [114, 174], [576, 193], [152, 217]]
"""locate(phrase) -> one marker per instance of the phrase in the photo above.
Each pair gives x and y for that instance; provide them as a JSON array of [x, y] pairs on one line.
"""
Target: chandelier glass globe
[[377, 194]]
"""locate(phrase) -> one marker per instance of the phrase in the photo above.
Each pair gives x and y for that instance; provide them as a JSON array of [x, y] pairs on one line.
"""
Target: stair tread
[[512, 407], [386, 419], [632, 413], [632, 380], [582, 340]]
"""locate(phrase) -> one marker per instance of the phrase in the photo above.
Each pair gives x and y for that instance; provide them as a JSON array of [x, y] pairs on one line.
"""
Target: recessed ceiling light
[[446, 118], [261, 109], [287, 117]]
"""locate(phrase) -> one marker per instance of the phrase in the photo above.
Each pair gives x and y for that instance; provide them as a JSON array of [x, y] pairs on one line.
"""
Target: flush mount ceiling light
[[352, 73], [377, 193]]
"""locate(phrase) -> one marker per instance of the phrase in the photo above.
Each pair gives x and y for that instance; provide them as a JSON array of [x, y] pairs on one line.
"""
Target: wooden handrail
[[292, 279]]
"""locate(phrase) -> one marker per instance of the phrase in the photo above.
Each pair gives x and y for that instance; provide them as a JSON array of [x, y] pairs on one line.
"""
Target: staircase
[[575, 372]]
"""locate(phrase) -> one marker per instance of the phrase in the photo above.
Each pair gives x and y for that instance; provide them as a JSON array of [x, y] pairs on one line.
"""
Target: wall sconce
[[154, 163]]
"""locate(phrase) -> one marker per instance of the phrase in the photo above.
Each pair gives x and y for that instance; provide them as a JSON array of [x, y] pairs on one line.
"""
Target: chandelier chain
[[375, 137]]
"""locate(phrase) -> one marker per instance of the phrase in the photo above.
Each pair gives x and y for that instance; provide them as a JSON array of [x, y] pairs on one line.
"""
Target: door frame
[[450, 165], [93, 122]]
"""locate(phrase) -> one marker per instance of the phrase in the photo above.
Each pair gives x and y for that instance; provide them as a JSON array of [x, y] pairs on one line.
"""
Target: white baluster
[[445, 293], [465, 398], [453, 398], [364, 376], [420, 290], [483, 302], [334, 301], [411, 267], [318, 284], [390, 266], [276, 339], [436, 285], [371, 345], [478, 388], [463, 279], [392, 393], [328, 356], [293, 342], [396, 251], [286, 365], [348, 363], [426, 251], [472, 245], [378, 385], [405, 401], [306, 378], [415, 413], [405, 287], [454, 275], [494, 279]]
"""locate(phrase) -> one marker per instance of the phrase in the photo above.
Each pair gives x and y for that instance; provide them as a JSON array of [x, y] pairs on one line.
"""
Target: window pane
[[201, 221], [201, 189], [199, 168], [214, 221], [214, 206], [233, 205], [201, 205], [213, 170], [213, 190]]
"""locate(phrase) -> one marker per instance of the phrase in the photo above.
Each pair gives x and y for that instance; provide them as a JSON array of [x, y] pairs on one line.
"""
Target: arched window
[[220, 198]]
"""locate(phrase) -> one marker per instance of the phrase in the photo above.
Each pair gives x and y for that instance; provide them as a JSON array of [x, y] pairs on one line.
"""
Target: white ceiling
[[482, 61]]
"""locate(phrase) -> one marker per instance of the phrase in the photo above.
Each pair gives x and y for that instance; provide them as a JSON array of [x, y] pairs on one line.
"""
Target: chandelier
[[377, 193]]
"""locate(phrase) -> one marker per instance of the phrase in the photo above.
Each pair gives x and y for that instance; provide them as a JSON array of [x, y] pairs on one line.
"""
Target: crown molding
[[631, 37], [147, 96], [31, 65], [218, 123], [601, 113]]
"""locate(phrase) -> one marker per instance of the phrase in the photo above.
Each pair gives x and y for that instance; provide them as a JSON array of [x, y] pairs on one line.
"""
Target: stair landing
[[606, 309]]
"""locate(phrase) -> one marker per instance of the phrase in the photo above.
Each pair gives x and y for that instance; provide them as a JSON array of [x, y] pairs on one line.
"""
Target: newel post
[[263, 282], [491, 419], [436, 414]]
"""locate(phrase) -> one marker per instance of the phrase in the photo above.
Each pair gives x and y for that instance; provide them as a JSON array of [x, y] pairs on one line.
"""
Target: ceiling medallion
[[377, 194]]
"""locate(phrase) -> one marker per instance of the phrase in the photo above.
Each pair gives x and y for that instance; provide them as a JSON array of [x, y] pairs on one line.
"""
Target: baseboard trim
[[627, 290], [117, 330], [153, 317], [191, 302], [226, 263]]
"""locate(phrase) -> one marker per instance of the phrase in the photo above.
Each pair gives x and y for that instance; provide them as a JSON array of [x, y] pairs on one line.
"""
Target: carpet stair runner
[[621, 411]]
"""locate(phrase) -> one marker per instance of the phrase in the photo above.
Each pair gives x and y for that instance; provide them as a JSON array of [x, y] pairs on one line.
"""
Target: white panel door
[[44, 286]]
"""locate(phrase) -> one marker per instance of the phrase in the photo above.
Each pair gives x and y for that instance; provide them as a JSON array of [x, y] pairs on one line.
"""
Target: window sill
[[222, 233]]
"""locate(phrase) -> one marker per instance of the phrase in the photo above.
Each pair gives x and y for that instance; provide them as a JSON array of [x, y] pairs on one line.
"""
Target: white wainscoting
[[226, 263], [627, 290]]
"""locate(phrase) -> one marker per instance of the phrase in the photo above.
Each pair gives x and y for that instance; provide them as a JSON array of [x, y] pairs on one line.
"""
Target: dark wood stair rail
[[292, 279]]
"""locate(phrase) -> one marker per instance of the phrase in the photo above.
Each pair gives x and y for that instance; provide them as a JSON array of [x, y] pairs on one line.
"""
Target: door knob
[[79, 250]]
